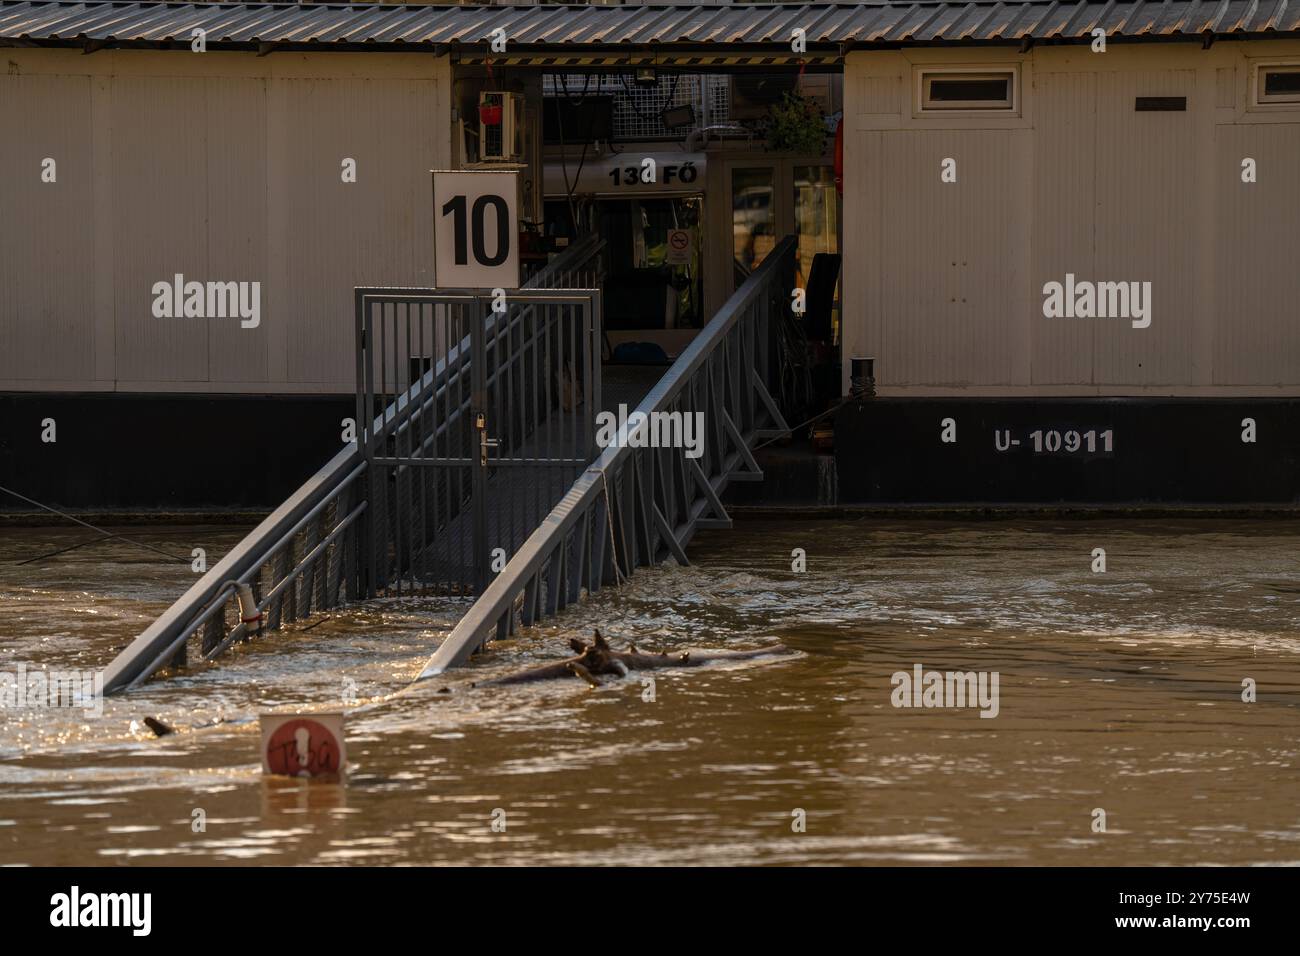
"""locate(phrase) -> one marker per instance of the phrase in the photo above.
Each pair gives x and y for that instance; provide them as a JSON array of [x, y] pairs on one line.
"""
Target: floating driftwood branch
[[598, 658]]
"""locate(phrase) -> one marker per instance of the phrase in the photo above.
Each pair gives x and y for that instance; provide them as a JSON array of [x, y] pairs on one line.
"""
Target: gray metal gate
[[492, 403]]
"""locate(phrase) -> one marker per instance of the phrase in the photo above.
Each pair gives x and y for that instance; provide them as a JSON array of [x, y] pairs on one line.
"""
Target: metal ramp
[[637, 504], [477, 470], [314, 552]]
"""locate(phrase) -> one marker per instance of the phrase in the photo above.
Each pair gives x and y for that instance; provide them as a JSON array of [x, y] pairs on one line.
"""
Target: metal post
[[365, 414], [479, 472]]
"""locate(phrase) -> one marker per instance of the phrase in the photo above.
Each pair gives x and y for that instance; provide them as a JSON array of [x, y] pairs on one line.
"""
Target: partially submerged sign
[[303, 745], [476, 229]]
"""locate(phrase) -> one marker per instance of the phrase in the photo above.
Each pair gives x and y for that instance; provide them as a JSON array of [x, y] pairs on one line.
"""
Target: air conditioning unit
[[500, 126]]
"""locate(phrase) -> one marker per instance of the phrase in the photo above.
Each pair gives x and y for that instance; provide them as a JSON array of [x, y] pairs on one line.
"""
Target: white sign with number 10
[[476, 229]]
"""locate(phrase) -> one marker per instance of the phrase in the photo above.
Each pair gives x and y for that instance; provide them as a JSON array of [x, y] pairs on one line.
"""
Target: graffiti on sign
[[300, 746]]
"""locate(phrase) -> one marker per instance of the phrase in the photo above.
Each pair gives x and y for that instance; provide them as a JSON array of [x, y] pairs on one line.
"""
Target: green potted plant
[[796, 124]]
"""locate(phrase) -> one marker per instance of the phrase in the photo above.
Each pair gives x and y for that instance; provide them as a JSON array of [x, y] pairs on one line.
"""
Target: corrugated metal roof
[[679, 26]]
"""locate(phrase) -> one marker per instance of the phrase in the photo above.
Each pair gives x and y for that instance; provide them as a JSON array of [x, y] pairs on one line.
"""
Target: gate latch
[[484, 443]]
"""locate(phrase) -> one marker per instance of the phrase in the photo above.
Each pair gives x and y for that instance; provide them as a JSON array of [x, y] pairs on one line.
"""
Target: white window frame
[[924, 74], [1284, 101]]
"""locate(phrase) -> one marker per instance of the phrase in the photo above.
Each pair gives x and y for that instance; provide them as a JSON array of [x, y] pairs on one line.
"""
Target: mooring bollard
[[862, 377]]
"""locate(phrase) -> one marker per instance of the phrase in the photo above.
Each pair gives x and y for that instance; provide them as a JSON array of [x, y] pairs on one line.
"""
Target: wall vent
[[1160, 104]]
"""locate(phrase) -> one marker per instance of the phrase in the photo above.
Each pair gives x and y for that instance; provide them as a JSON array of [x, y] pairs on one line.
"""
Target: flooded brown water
[[1119, 691]]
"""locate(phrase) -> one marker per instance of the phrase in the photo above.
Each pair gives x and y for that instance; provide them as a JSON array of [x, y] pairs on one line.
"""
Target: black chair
[[822, 279]]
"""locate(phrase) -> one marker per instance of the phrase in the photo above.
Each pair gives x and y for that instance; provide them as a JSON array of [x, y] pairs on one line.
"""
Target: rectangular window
[[1277, 84], [944, 91]]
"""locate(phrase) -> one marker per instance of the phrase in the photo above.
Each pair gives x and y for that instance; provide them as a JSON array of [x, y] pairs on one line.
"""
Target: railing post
[[366, 530], [478, 471]]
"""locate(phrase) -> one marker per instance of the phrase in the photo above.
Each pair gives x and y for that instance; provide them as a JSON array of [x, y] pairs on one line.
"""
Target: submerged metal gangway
[[637, 504], [322, 547], [388, 512]]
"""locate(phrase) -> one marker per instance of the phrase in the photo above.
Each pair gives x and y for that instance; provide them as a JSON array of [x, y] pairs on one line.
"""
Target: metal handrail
[[161, 639], [574, 533], [339, 483]]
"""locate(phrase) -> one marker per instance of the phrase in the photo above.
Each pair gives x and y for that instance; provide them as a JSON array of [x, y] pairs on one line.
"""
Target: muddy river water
[[1119, 692]]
